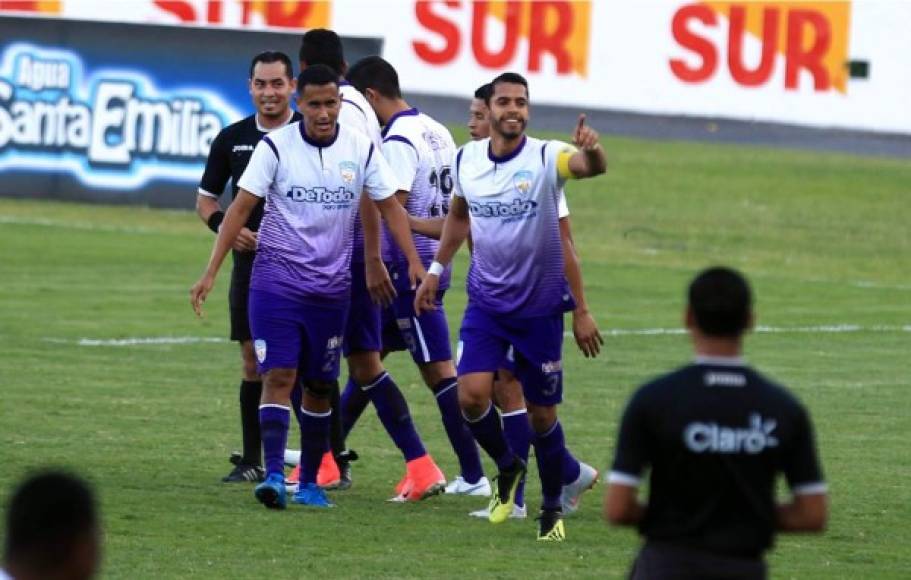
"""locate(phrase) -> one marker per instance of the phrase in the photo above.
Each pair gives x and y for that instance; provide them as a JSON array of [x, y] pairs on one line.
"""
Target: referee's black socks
[[250, 394]]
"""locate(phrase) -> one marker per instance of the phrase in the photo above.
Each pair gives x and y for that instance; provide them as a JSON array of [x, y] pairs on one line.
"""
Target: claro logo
[[812, 38], [554, 30]]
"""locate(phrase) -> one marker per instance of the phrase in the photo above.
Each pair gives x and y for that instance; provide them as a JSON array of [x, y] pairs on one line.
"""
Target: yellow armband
[[563, 157]]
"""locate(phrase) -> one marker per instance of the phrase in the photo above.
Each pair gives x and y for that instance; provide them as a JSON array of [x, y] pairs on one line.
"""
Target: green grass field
[[824, 238]]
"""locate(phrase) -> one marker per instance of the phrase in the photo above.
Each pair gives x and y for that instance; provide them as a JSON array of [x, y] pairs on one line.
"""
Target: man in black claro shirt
[[271, 85], [715, 435]]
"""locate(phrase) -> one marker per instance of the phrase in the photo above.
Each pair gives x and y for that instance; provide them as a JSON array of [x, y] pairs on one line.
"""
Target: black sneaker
[[550, 526], [343, 461], [243, 472]]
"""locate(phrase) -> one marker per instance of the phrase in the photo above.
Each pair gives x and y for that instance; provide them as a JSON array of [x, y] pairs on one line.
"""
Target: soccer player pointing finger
[[506, 192]]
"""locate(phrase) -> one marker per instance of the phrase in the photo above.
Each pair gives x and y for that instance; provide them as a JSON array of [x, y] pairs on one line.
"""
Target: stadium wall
[[826, 64], [122, 113]]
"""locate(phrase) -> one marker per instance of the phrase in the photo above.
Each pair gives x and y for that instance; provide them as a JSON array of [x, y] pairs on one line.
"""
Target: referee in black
[[715, 434], [271, 85]]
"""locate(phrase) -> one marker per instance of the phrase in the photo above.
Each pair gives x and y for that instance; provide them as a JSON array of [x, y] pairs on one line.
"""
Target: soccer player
[[312, 174], [506, 192], [52, 529], [578, 477], [715, 434], [420, 151], [271, 85], [368, 380]]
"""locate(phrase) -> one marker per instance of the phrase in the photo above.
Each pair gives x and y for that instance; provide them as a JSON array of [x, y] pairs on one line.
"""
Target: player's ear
[[293, 85], [751, 321], [689, 319]]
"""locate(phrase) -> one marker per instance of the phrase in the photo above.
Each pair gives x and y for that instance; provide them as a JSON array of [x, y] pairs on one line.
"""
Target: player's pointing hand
[[584, 137]]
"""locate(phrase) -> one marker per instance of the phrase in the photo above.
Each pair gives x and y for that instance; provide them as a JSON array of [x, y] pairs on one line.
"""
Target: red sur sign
[[808, 40], [548, 31]]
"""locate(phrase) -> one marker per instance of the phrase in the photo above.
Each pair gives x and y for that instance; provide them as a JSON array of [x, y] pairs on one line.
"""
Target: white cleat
[[459, 486], [519, 512], [572, 493]]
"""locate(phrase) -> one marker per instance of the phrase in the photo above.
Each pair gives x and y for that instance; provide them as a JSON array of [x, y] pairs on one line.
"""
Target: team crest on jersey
[[348, 171], [259, 345], [522, 181]]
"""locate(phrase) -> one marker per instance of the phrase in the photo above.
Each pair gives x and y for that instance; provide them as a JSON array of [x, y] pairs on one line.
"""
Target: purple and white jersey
[[419, 151], [517, 258], [356, 113], [312, 192]]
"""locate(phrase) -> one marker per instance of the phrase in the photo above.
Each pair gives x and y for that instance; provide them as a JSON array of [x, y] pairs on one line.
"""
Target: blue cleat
[[312, 495], [271, 493]]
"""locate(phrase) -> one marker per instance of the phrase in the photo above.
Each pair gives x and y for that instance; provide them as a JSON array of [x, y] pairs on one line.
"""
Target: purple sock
[[393, 413], [460, 437], [519, 434], [273, 425], [314, 442], [354, 401], [571, 467], [297, 401], [549, 447], [489, 434]]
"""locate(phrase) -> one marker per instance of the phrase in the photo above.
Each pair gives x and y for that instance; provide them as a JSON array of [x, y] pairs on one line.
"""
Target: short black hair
[[721, 302], [484, 91], [322, 46], [49, 512], [507, 77], [319, 74], [270, 56], [374, 72]]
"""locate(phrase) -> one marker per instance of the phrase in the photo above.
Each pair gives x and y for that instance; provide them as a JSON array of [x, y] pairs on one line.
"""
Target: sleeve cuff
[[205, 193], [620, 478], [814, 488]]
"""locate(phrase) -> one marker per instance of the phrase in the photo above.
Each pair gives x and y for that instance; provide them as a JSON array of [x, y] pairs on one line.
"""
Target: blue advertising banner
[[122, 113]]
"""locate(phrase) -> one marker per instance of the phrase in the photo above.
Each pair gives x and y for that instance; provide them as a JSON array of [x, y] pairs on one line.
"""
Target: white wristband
[[435, 268]]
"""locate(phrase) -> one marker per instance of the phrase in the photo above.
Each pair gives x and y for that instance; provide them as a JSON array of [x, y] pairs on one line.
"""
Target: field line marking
[[821, 329]]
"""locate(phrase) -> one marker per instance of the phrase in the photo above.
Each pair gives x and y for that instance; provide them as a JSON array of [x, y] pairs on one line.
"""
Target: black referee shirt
[[228, 158], [715, 435]]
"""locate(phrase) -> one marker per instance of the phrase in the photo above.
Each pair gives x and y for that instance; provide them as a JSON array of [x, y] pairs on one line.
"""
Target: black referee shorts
[[238, 295], [660, 561]]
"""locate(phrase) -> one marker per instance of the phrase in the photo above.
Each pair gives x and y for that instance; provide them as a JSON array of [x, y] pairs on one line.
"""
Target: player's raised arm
[[455, 230], [237, 215], [590, 159]]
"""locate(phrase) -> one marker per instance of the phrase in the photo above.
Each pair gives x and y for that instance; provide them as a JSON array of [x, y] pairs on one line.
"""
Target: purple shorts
[[363, 331], [485, 339], [291, 334], [426, 336]]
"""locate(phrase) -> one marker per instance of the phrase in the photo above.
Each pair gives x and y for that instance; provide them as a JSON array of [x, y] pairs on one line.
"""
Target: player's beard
[[510, 131]]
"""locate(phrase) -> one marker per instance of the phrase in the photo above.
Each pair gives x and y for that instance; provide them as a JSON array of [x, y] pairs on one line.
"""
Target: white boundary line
[[822, 329]]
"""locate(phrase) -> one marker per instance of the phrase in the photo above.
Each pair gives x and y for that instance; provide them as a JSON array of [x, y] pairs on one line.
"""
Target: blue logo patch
[[522, 181], [348, 171]]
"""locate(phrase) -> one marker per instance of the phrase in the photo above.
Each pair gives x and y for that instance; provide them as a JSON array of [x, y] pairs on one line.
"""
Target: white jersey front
[[420, 152], [514, 204], [312, 192]]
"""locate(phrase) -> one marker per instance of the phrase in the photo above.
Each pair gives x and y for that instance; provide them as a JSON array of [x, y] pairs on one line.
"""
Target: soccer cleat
[[402, 488], [459, 486], [572, 493], [425, 477], [312, 495], [344, 460], [550, 526], [504, 500], [271, 492], [328, 476], [519, 512], [243, 473]]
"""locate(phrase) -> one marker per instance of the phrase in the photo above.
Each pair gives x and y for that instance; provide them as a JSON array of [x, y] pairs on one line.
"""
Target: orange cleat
[[328, 476], [402, 489], [425, 477]]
